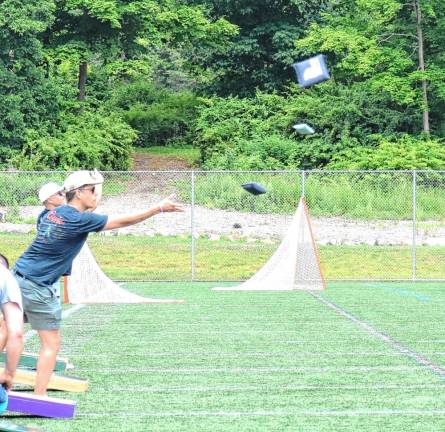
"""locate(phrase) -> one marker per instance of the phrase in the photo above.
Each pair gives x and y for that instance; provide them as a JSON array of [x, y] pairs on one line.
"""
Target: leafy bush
[[235, 133], [91, 140], [6, 154], [225, 125], [159, 115], [274, 152], [136, 93], [405, 153]]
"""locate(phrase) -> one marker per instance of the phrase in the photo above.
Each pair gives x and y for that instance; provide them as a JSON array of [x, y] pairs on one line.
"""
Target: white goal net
[[294, 265], [88, 284]]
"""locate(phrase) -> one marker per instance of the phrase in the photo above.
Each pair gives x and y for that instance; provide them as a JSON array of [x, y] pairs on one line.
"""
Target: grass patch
[[371, 196], [169, 258]]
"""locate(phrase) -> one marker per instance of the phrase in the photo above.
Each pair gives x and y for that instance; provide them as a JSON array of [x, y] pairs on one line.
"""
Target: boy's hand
[[6, 380], [168, 205]]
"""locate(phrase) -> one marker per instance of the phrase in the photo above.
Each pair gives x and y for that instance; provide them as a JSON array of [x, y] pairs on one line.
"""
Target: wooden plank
[[42, 406], [6, 426], [56, 382], [29, 360]]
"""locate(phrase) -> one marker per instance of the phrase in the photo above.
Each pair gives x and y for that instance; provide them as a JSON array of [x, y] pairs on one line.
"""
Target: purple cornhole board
[[41, 406]]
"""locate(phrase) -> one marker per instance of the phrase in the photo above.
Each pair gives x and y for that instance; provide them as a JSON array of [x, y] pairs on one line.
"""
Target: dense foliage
[[83, 81], [160, 116]]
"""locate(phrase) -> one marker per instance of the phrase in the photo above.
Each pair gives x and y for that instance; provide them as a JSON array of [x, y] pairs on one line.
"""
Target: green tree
[[260, 57], [27, 98], [131, 39], [391, 45]]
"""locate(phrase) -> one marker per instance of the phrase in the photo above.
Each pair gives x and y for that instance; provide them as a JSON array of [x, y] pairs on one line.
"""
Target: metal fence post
[[414, 258], [303, 185], [192, 228]]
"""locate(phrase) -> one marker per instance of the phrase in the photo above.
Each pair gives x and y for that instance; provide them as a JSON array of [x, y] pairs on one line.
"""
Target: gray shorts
[[41, 306]]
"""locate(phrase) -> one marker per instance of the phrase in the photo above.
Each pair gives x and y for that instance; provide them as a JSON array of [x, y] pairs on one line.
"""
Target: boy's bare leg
[[50, 340], [3, 334], [12, 325]]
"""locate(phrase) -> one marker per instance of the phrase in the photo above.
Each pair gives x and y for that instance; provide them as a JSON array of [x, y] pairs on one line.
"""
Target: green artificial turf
[[257, 361]]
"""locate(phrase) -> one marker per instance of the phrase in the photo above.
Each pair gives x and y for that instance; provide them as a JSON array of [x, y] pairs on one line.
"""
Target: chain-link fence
[[380, 225]]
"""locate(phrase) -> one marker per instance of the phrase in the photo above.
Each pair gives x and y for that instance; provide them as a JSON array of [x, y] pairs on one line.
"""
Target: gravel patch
[[214, 224]]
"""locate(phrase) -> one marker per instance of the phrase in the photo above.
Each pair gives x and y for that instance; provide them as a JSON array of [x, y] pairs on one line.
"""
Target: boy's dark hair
[[70, 195], [4, 261]]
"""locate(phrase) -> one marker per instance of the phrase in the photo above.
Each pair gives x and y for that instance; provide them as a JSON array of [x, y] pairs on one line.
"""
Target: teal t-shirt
[[61, 233]]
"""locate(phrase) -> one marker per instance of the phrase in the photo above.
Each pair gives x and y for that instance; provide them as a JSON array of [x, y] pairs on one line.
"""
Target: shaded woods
[[84, 82]]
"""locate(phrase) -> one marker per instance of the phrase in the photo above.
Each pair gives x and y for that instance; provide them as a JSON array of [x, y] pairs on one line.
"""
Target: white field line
[[236, 355], [267, 389], [97, 319], [387, 339], [154, 333], [152, 340], [65, 314], [431, 341], [244, 370], [275, 413]]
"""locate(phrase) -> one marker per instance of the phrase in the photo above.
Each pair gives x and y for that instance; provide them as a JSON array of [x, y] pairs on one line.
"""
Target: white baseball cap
[[47, 190], [81, 178]]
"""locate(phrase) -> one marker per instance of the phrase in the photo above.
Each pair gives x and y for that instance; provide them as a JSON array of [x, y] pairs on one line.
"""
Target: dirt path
[[154, 162]]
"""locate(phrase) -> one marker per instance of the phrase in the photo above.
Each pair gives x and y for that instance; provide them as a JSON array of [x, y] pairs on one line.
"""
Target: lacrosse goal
[[295, 265], [88, 284]]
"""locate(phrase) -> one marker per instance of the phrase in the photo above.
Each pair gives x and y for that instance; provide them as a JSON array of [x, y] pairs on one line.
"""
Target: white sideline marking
[[65, 314], [236, 355], [162, 333], [260, 413], [388, 340], [428, 341], [136, 321], [279, 388], [256, 369]]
